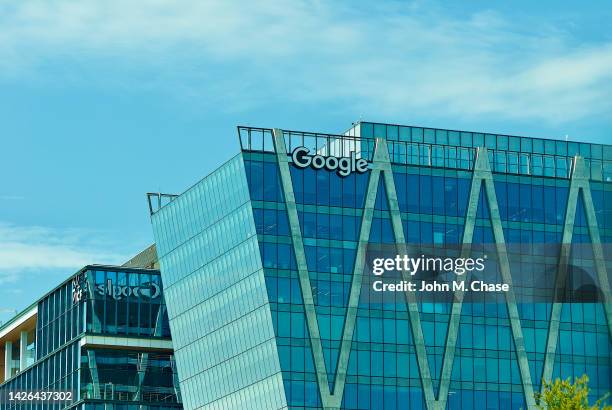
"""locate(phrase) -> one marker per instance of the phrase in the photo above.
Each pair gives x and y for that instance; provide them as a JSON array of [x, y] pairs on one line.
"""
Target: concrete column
[[23, 350], [8, 360]]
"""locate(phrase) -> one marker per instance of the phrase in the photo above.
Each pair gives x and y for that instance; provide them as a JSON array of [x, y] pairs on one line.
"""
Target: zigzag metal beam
[[300, 258], [356, 281], [482, 174], [329, 399], [411, 302], [579, 181], [381, 162], [455, 314]]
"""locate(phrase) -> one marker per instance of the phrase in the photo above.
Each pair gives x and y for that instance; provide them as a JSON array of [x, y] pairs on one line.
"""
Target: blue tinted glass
[[425, 193]]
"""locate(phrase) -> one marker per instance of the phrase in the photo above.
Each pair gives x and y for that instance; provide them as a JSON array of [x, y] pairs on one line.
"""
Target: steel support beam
[[579, 182], [93, 371], [329, 399], [383, 161]]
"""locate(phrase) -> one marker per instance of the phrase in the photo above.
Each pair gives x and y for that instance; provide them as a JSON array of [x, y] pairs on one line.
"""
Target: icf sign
[[343, 166]]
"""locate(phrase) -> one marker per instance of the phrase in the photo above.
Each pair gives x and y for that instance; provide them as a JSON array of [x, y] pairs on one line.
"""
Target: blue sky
[[102, 101]]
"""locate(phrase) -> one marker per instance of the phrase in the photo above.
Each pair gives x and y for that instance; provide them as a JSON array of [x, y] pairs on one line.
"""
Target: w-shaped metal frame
[[482, 174], [329, 399], [332, 399]]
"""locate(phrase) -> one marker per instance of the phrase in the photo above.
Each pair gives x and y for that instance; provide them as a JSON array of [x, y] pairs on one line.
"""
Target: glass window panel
[[256, 140], [500, 161], [417, 134], [585, 150], [380, 131], [425, 155], [441, 137], [573, 149], [514, 143], [538, 146], [526, 145], [561, 167], [561, 148], [438, 156], [465, 159], [367, 130], [550, 147], [524, 164], [596, 170], [537, 166], [490, 141], [513, 165], [451, 157], [429, 136], [549, 166], [466, 140], [596, 151], [404, 134], [392, 132]]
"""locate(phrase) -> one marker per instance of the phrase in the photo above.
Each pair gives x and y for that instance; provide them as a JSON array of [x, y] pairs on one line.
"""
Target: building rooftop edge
[[474, 132]]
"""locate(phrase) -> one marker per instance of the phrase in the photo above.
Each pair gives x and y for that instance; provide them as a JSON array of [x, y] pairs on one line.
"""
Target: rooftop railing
[[157, 200], [426, 154]]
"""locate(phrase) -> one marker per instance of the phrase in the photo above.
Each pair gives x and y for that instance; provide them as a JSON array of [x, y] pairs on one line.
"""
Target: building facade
[[265, 269], [100, 340]]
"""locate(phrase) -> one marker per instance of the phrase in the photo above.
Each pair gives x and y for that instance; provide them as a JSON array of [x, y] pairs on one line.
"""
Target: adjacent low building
[[100, 340]]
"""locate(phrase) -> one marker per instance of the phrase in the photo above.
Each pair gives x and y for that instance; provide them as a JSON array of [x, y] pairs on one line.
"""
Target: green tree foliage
[[565, 395]]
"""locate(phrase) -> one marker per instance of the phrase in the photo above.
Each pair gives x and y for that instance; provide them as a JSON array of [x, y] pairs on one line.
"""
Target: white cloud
[[391, 58], [35, 249]]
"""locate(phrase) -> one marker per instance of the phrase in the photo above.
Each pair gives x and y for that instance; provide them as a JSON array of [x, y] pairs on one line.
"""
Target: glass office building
[[265, 269], [99, 341]]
